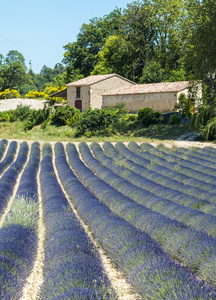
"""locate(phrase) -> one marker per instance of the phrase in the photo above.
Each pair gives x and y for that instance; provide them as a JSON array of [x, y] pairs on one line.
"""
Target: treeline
[[17, 80], [148, 41]]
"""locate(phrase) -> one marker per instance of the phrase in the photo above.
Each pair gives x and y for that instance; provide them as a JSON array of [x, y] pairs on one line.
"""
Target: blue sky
[[40, 28]]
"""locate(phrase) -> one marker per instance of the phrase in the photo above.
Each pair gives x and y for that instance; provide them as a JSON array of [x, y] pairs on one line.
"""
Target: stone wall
[[163, 102]]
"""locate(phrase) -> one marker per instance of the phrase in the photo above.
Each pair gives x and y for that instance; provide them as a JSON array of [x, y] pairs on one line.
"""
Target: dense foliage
[[148, 116], [95, 120], [66, 115]]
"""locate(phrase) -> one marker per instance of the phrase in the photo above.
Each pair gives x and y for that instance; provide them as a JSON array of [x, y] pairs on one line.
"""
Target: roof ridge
[[92, 79], [160, 87]]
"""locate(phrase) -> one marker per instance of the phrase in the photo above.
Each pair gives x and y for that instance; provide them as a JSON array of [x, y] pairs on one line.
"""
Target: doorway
[[78, 104]]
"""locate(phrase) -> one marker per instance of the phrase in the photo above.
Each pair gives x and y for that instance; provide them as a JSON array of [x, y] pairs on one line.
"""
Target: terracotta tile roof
[[162, 87], [93, 79]]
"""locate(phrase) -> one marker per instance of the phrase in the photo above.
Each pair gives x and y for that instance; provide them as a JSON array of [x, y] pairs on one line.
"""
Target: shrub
[[37, 117], [209, 131], [94, 120], [9, 94], [184, 106], [66, 115], [120, 109], [174, 120], [6, 116], [22, 112], [202, 117], [49, 90], [148, 116]]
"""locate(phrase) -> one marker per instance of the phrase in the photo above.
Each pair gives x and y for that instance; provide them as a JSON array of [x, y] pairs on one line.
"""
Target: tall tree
[[201, 56], [13, 70], [168, 16], [82, 54], [139, 31], [115, 57]]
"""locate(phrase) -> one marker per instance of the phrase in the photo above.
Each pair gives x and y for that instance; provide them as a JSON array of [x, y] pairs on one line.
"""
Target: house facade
[[102, 91], [159, 96], [88, 91]]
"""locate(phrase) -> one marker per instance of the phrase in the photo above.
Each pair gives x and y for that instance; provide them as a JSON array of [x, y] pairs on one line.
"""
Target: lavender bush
[[3, 145], [196, 196], [9, 158], [18, 237], [141, 217], [72, 267], [8, 180]]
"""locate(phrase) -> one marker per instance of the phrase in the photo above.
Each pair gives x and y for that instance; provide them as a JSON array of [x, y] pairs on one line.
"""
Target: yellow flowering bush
[[49, 90], [36, 95], [9, 94]]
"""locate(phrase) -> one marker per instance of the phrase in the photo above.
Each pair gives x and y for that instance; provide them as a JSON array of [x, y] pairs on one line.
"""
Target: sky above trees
[[39, 29]]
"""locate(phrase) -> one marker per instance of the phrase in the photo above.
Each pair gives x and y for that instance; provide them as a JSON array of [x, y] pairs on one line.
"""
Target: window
[[78, 92]]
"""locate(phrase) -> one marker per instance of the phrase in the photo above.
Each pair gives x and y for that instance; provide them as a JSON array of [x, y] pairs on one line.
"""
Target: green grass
[[65, 133], [23, 212]]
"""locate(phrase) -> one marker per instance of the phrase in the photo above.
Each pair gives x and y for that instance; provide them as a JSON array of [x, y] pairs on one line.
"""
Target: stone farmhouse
[[102, 91]]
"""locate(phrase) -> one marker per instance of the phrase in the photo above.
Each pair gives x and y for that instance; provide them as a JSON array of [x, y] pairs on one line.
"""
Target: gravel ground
[[8, 104]]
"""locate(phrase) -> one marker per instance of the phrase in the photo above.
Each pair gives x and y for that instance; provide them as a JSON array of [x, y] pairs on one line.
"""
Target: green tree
[[13, 70], [139, 31], [153, 73], [168, 20], [82, 54], [59, 69], [147, 34], [115, 57], [1, 70], [201, 56]]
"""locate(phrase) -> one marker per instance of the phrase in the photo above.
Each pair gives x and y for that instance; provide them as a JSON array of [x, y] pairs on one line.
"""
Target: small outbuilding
[[88, 91], [159, 96]]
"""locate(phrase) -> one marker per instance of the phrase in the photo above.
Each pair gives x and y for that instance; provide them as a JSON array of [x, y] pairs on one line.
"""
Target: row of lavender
[[117, 222], [18, 236], [179, 169], [172, 174], [138, 165], [196, 249]]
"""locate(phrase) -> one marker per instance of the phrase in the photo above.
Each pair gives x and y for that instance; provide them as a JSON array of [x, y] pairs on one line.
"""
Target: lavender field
[[149, 210]]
